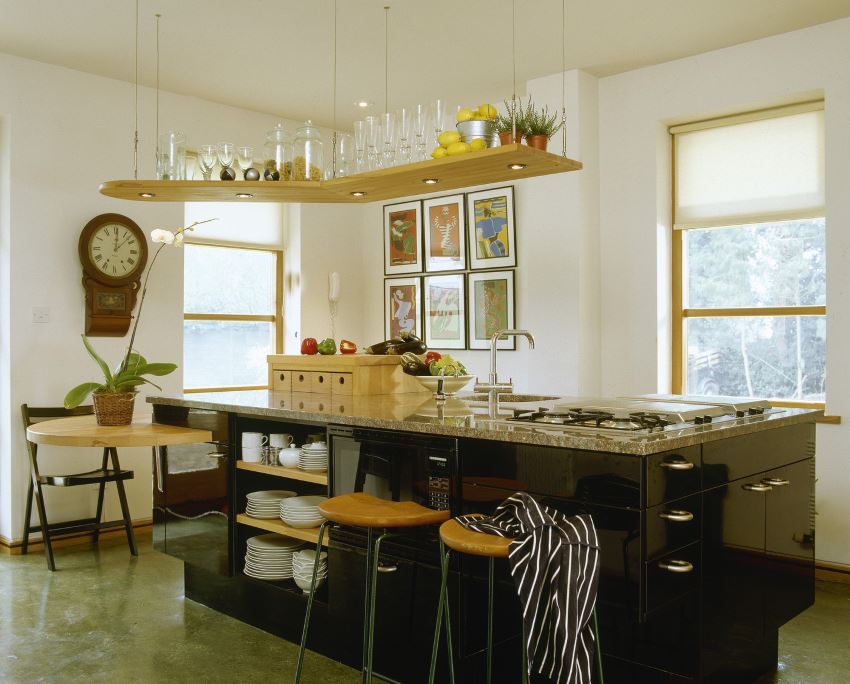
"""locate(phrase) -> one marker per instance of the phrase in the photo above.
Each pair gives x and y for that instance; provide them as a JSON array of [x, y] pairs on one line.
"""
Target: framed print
[[445, 311], [403, 306], [445, 233], [492, 237], [491, 308], [403, 238]]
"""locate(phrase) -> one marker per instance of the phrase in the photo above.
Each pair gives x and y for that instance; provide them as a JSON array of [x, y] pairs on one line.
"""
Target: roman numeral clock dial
[[113, 251]]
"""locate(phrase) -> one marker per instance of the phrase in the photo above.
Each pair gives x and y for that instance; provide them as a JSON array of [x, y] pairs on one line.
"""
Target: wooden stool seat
[[364, 510], [458, 538]]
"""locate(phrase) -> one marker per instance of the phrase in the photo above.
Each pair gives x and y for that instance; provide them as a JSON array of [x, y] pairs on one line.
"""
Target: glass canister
[[277, 155], [309, 157]]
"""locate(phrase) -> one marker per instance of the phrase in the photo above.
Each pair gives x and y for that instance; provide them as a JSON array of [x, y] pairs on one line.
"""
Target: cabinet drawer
[[342, 383], [320, 382], [281, 380], [672, 576], [300, 381], [672, 474], [672, 525]]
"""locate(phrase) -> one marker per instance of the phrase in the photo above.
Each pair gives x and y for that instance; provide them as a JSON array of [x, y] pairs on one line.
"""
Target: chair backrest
[[34, 414]]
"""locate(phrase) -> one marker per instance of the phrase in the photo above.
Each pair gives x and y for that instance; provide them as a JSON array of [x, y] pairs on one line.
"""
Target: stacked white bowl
[[266, 504], [314, 457], [302, 568], [269, 557], [302, 511]]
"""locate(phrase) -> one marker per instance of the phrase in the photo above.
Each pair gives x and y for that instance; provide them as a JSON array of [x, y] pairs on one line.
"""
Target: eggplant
[[381, 347], [415, 346], [413, 365]]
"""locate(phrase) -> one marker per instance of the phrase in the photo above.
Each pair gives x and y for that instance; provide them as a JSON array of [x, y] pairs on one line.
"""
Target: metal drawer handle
[[387, 568], [676, 566], [757, 487], [676, 516], [677, 465], [776, 481]]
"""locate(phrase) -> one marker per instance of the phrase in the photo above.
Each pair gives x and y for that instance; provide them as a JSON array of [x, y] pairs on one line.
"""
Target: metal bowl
[[475, 128]]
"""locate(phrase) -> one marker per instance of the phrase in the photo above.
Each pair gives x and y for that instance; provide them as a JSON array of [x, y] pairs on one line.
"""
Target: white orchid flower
[[164, 236]]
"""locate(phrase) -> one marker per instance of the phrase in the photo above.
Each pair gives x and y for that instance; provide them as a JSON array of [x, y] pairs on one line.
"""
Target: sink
[[511, 398]]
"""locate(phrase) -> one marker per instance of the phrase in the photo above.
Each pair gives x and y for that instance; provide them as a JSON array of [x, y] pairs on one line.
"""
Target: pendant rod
[[136, 105], [513, 61], [564, 77], [333, 100], [156, 140], [386, 58]]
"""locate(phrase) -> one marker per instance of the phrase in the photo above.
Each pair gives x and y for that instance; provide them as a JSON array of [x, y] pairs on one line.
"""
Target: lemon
[[487, 111], [439, 152], [458, 148], [477, 144], [448, 137], [464, 115]]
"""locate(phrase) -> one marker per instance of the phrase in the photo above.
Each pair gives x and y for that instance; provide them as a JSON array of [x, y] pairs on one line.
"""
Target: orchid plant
[[131, 372]]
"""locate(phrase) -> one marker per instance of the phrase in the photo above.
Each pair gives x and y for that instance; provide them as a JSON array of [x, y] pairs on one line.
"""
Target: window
[[232, 303], [749, 256]]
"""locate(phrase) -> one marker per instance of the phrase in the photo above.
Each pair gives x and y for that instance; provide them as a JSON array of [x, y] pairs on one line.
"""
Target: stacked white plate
[[302, 568], [269, 556], [266, 504], [302, 511], [314, 456]]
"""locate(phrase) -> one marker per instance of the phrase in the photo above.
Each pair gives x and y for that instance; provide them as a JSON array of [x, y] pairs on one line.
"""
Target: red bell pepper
[[431, 356], [347, 347], [309, 346]]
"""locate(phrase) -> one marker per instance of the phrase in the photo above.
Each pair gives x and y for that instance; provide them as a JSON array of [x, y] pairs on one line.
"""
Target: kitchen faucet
[[493, 387]]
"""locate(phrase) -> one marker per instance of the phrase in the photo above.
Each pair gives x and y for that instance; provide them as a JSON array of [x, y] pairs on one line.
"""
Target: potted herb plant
[[115, 396], [539, 126], [505, 126]]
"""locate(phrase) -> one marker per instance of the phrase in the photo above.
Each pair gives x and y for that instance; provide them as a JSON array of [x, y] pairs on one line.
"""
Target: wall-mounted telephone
[[333, 287]]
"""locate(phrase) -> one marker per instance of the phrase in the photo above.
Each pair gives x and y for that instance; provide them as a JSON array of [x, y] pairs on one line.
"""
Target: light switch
[[41, 314]]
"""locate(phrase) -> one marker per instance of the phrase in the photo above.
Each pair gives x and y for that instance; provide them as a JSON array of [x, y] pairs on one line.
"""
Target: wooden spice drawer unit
[[340, 375]]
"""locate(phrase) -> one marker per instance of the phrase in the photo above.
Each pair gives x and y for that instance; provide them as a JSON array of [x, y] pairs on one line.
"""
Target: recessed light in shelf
[[517, 167], [430, 181], [244, 195], [147, 195], [358, 193], [363, 103]]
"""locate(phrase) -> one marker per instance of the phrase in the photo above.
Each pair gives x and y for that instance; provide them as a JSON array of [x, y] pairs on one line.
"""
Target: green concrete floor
[[108, 617]]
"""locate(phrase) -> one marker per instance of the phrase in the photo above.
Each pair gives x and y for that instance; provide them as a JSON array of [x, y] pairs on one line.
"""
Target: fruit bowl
[[452, 384]]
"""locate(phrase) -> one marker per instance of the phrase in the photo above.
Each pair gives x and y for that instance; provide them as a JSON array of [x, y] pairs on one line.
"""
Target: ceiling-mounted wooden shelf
[[494, 165]]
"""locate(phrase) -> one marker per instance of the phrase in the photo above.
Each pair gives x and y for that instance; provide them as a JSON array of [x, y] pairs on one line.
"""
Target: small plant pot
[[541, 142], [114, 408], [505, 137]]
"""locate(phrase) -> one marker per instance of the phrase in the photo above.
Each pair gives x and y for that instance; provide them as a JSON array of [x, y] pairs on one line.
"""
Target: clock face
[[114, 251]]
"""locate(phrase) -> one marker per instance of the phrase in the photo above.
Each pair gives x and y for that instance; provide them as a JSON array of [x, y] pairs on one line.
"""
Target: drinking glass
[[171, 156], [226, 151], [438, 118], [359, 146], [388, 122], [345, 154], [206, 160], [245, 157], [420, 124], [404, 121], [373, 141]]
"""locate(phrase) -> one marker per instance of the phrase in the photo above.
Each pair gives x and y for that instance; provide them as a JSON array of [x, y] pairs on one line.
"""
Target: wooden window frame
[[679, 313], [276, 317]]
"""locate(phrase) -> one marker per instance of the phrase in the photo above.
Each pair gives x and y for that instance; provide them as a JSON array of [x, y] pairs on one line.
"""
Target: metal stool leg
[[303, 647], [364, 644], [600, 677], [27, 515], [373, 594], [125, 509], [100, 492], [441, 601], [523, 655], [490, 577]]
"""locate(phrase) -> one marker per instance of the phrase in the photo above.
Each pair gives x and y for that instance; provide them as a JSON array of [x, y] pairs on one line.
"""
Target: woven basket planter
[[114, 408]]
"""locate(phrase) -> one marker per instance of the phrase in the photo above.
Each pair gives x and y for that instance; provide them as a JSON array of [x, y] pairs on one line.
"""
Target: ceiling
[[276, 56]]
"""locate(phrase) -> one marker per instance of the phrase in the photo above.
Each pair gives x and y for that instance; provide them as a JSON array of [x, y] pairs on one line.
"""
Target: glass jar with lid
[[277, 155], [308, 162]]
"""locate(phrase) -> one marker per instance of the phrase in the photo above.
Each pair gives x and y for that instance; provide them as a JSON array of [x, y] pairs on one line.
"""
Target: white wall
[[62, 133], [635, 109]]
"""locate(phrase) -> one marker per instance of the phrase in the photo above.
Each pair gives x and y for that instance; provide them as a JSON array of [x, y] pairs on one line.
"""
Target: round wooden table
[[83, 431]]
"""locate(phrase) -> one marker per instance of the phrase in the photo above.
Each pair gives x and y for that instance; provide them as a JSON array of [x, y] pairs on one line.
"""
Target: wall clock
[[113, 251]]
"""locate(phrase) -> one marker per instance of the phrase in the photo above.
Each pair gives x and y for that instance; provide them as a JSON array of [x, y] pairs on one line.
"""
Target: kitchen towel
[[554, 560]]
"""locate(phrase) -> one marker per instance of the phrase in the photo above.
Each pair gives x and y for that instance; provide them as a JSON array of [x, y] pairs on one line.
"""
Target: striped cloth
[[554, 560]]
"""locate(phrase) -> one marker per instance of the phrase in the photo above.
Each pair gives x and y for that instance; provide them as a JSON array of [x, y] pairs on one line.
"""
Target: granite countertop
[[461, 417]]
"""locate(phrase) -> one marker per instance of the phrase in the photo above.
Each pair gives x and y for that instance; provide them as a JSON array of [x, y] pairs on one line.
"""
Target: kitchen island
[[707, 530]]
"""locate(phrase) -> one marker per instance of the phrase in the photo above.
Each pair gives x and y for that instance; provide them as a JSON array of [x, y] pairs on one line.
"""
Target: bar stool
[[371, 513], [458, 538]]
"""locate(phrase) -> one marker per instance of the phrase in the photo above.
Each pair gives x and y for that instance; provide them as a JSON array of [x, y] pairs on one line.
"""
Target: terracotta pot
[[114, 408], [505, 137], [541, 142]]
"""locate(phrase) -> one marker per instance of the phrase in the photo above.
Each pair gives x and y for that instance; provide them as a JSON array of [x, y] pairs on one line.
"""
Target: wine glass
[[373, 140], [438, 118], [359, 146], [404, 121], [388, 122], [226, 151], [245, 158], [420, 124], [206, 160]]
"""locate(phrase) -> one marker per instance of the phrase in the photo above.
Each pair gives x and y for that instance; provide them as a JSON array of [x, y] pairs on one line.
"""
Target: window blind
[[748, 172]]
